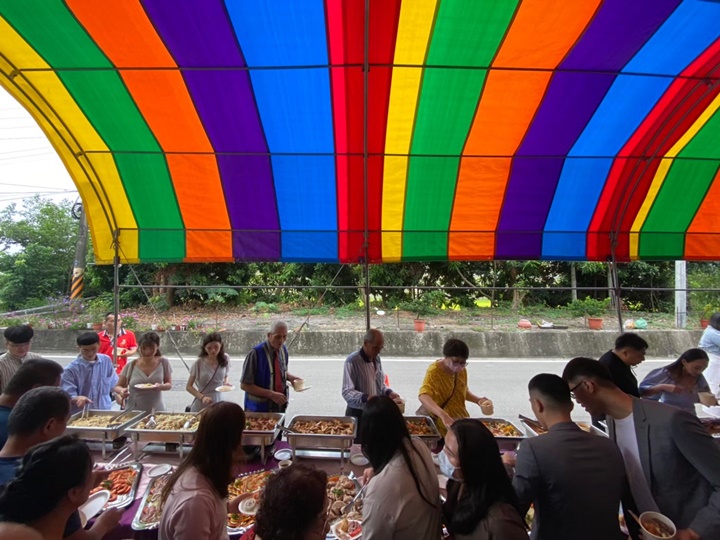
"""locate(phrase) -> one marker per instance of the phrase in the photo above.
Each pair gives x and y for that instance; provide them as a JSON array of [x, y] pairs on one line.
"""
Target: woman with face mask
[[481, 503], [445, 389], [294, 506], [681, 383]]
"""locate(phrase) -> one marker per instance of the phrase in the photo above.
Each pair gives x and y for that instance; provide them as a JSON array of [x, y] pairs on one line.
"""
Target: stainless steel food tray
[[103, 433], [263, 439], [319, 442], [181, 436], [532, 432], [430, 440], [126, 500], [137, 524], [506, 442]]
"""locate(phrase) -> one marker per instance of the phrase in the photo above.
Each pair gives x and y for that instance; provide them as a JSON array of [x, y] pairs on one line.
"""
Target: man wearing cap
[[17, 343]]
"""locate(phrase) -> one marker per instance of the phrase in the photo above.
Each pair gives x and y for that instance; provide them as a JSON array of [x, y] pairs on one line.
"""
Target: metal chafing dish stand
[[263, 439], [432, 440], [506, 442], [313, 445], [104, 434], [179, 436]]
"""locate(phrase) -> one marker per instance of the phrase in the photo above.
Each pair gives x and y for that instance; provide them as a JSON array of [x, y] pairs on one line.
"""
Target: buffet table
[[124, 530]]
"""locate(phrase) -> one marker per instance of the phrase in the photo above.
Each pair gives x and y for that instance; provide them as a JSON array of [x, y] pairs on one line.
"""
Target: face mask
[[447, 468], [455, 368]]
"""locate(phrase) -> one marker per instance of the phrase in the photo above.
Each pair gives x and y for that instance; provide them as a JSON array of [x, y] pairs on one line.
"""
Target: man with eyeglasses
[[672, 463], [629, 351], [575, 479], [363, 375]]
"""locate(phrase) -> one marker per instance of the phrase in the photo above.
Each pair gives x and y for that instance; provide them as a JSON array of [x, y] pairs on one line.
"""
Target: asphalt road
[[502, 380]]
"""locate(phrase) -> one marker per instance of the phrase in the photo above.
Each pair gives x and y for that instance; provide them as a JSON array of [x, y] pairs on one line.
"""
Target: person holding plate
[[445, 389], [209, 372], [143, 380]]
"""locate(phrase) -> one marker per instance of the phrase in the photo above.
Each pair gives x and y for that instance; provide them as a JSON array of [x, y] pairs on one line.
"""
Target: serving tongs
[[190, 420], [349, 505], [122, 452], [533, 423], [284, 429], [115, 420], [85, 411]]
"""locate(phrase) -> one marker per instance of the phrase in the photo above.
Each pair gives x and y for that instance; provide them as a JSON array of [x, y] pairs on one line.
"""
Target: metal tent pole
[[616, 286], [116, 291], [366, 71]]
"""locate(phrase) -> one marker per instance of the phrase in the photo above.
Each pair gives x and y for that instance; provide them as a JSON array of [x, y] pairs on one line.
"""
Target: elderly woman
[[710, 343], [680, 383], [445, 389]]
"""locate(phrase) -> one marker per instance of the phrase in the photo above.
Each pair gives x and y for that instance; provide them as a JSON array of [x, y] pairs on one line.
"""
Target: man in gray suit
[[672, 463], [576, 479]]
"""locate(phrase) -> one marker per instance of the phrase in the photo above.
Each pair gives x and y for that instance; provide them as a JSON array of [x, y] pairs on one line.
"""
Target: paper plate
[[359, 460], [225, 388], [249, 506], [304, 389], [283, 454], [346, 536], [159, 470], [144, 386], [93, 505]]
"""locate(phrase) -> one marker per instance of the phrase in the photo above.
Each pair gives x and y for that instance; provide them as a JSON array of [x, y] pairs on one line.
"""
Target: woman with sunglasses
[[293, 506], [481, 502], [445, 389]]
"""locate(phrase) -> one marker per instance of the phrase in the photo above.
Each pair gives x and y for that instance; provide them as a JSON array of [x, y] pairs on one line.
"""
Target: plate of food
[[122, 484], [145, 386], [93, 506], [225, 388], [347, 529]]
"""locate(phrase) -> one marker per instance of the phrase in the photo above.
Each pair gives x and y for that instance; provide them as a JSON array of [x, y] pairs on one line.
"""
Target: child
[[91, 376]]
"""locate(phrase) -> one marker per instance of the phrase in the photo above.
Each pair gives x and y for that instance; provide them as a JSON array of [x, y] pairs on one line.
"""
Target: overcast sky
[[28, 163]]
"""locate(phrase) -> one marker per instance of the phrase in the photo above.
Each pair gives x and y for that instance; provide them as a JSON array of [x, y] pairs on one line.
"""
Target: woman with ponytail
[[53, 481]]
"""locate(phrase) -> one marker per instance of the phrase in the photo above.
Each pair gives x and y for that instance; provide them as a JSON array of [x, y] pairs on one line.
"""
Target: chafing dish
[[120, 421], [431, 439], [319, 441], [505, 442], [263, 439], [533, 428], [178, 436]]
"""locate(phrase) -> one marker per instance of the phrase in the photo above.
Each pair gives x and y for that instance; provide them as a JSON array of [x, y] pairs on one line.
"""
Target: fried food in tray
[[323, 427], [340, 491], [501, 428], [419, 427], [102, 421], [170, 422], [260, 424]]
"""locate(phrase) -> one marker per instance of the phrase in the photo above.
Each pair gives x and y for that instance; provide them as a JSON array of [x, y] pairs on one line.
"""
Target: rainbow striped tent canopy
[[380, 130]]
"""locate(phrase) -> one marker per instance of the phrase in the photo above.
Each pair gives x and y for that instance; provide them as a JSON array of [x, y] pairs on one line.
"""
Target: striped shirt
[[362, 378], [9, 364]]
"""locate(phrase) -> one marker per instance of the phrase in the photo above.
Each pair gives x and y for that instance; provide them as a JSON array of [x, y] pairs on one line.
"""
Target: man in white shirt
[[671, 460]]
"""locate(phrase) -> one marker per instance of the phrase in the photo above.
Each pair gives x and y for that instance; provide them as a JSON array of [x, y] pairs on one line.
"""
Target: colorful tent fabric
[[203, 130]]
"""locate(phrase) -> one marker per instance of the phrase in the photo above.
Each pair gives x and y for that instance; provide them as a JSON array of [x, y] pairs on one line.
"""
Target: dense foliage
[[37, 244]]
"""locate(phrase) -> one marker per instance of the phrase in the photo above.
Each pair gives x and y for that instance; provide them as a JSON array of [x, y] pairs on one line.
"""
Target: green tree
[[37, 247]]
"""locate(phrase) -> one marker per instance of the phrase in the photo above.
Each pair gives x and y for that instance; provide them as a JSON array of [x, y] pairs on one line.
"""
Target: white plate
[[159, 470], [359, 460], [144, 386], [249, 506], [306, 388], [93, 505], [283, 454], [345, 536], [712, 411], [225, 388]]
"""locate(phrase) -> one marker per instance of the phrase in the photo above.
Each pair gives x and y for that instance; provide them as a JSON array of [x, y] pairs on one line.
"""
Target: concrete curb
[[525, 344]]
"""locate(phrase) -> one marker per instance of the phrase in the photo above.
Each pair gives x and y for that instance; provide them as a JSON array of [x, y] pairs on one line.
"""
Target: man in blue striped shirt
[[363, 375]]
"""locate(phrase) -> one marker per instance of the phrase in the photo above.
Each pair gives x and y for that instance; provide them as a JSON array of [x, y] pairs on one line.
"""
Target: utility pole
[[78, 277]]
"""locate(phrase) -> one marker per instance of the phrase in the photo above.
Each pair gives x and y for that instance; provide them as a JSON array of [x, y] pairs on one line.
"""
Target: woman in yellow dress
[[445, 389]]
